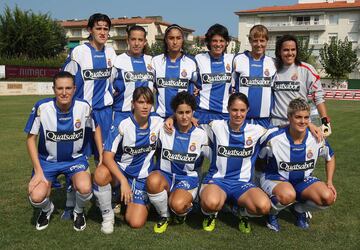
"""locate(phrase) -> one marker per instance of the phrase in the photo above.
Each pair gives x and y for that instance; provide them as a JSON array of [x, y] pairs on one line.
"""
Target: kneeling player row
[[231, 145]]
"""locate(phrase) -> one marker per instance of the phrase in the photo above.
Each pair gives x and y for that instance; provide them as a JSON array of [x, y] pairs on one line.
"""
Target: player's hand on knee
[[333, 189], [126, 193], [36, 180]]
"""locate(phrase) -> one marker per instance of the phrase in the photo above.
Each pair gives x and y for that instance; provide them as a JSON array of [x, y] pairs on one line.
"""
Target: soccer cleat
[[272, 223], [162, 225], [244, 225], [301, 219], [79, 221], [68, 213], [209, 223], [179, 219], [44, 218], [107, 226]]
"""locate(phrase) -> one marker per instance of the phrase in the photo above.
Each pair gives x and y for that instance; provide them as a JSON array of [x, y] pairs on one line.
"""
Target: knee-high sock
[[103, 194], [243, 212], [45, 205], [276, 206], [308, 206], [160, 202], [209, 213], [70, 197], [81, 200]]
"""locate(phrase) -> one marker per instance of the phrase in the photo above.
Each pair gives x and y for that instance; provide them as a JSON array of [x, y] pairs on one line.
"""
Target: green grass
[[334, 228]]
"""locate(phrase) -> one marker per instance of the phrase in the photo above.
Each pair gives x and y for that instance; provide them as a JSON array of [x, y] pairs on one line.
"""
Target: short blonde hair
[[259, 31], [298, 104]]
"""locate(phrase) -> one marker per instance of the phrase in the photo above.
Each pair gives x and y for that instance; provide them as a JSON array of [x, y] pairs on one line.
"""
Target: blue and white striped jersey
[[233, 154], [92, 71], [62, 136], [179, 151], [214, 81], [254, 79], [133, 146], [294, 162], [130, 73], [171, 78]]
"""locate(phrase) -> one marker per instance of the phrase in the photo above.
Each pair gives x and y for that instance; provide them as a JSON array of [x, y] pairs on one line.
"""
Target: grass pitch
[[334, 228]]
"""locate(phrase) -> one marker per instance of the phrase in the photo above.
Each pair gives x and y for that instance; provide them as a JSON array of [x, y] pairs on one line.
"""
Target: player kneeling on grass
[[176, 179], [235, 147], [63, 125], [291, 155], [128, 157]]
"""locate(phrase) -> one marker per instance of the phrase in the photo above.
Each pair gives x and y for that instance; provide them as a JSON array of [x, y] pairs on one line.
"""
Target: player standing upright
[[133, 69], [91, 64], [174, 71], [63, 125], [253, 73], [214, 76]]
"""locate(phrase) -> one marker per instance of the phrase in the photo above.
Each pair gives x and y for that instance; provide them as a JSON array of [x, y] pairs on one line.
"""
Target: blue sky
[[194, 14]]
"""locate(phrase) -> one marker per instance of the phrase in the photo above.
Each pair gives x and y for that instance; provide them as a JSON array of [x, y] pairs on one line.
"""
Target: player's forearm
[[108, 160], [330, 170], [322, 109], [98, 140], [33, 153]]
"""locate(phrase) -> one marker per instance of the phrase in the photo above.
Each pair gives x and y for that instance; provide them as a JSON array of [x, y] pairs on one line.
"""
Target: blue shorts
[[53, 169], [180, 181], [299, 185], [138, 188], [265, 122], [234, 189], [205, 117], [103, 118]]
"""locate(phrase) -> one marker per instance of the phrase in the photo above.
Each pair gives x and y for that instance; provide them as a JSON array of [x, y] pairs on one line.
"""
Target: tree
[[236, 48], [29, 35], [338, 58], [156, 48], [305, 52]]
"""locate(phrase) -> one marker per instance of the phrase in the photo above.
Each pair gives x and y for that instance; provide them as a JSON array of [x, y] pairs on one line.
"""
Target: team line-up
[[249, 114]]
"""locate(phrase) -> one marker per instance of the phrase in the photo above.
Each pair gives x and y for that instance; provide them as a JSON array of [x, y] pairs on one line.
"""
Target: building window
[[316, 20], [334, 19], [353, 37], [121, 31], [332, 36], [76, 32], [303, 20], [315, 39]]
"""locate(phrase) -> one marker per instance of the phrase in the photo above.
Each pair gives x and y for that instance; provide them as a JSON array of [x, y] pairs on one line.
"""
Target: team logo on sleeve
[[228, 68], [109, 63], [77, 123], [249, 141], [38, 112], [309, 154], [149, 68], [153, 137], [192, 147], [267, 72], [294, 77], [184, 73]]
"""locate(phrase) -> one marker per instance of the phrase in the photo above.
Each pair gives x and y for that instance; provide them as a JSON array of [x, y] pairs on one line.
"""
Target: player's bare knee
[[102, 176], [179, 206], [286, 198], [154, 183], [263, 207], [327, 198], [135, 222], [211, 203]]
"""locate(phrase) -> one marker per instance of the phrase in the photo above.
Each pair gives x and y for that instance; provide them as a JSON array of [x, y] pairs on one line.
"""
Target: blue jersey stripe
[[217, 89], [64, 124], [297, 155], [99, 62]]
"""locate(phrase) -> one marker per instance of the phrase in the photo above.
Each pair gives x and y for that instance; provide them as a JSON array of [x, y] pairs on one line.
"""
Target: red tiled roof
[[119, 21], [302, 7]]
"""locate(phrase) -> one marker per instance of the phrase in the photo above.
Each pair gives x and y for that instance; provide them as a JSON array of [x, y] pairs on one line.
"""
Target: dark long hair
[[279, 63], [173, 26]]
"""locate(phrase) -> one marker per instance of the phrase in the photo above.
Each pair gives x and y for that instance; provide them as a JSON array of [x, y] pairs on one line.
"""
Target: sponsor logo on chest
[[226, 151], [96, 74], [298, 166], [139, 150], [287, 86], [178, 157], [255, 81], [130, 76], [172, 83], [216, 78], [64, 136]]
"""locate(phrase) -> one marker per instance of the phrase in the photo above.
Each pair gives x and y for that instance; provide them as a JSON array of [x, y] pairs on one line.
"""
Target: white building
[[315, 20], [76, 32]]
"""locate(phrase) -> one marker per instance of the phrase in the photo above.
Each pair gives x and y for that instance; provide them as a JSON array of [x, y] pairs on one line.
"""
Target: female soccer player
[[291, 154], [214, 76], [132, 70], [174, 71], [128, 156], [63, 125], [295, 79], [234, 151], [253, 73], [176, 179]]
